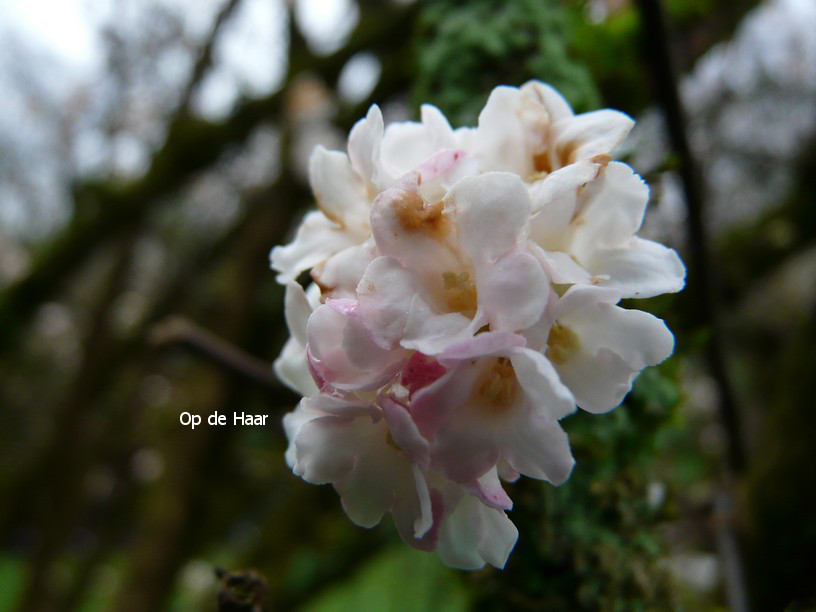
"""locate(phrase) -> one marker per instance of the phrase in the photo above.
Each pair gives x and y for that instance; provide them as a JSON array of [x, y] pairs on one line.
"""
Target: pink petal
[[404, 431], [421, 371]]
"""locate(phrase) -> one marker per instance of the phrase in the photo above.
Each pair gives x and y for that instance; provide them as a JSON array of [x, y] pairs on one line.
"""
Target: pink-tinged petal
[[317, 239], [489, 490], [339, 274], [343, 353], [409, 150], [431, 333], [612, 209], [470, 440], [405, 145], [513, 291], [292, 368], [639, 269], [385, 293], [347, 307], [537, 447], [316, 370], [404, 431], [560, 267], [554, 201], [338, 190], [364, 143], [493, 213], [541, 383], [590, 134], [481, 345], [439, 164], [475, 534], [433, 405]]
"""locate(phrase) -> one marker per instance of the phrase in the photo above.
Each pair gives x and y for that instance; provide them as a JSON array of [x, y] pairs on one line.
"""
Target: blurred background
[[153, 152]]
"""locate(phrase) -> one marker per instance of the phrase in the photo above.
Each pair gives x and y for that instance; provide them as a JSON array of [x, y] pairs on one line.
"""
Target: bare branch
[[178, 330]]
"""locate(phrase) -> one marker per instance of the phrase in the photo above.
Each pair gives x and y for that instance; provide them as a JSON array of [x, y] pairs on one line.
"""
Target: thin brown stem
[[181, 331]]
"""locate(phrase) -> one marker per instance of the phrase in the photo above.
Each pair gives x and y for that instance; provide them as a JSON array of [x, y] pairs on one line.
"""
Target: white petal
[[438, 127], [337, 188], [556, 106], [612, 210], [340, 273], [316, 240], [541, 384], [297, 310], [554, 201], [641, 268], [493, 213], [589, 134], [513, 291], [501, 138], [292, 424], [560, 267], [537, 447], [379, 478], [364, 144], [599, 381], [424, 521], [475, 534], [639, 338], [614, 344], [292, 368], [326, 447]]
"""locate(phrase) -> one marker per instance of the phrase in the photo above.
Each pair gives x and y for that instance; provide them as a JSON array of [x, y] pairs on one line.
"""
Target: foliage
[[464, 50]]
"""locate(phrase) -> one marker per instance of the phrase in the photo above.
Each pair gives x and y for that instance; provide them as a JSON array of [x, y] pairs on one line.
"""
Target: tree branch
[[104, 209], [178, 330]]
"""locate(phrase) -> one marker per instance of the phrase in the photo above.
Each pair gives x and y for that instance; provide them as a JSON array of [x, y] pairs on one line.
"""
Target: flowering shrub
[[465, 299]]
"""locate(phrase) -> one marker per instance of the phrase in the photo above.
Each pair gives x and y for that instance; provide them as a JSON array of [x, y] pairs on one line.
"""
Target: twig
[[204, 60], [178, 330]]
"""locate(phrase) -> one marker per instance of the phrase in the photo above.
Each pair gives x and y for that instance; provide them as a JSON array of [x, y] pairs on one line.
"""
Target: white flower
[[468, 283]]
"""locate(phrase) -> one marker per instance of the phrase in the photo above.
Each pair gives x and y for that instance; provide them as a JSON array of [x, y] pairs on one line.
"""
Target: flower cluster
[[465, 299]]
